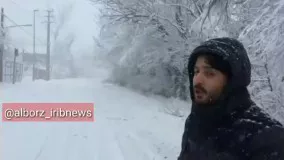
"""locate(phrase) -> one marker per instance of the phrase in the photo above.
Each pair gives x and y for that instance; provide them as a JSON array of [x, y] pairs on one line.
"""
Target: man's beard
[[205, 96]]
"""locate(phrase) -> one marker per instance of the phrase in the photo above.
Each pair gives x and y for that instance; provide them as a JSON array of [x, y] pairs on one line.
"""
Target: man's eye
[[209, 73], [195, 72]]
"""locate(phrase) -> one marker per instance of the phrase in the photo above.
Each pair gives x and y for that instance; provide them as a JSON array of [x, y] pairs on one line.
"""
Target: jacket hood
[[232, 51]]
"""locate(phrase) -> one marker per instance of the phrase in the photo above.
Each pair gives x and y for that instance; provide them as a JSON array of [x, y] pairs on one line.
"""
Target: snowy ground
[[128, 126]]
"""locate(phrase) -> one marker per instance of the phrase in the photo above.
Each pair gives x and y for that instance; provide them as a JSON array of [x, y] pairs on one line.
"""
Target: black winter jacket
[[235, 128]]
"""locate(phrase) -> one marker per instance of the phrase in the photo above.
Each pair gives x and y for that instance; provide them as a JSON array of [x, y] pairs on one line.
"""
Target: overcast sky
[[83, 22]]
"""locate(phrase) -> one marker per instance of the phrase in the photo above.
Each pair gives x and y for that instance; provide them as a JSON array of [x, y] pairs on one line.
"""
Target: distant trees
[[62, 58]]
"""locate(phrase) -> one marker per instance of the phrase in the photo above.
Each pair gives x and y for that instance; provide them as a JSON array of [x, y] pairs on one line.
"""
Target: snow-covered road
[[127, 125]]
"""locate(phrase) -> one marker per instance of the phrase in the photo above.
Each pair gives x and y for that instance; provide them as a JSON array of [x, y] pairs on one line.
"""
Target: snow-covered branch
[[197, 8], [179, 28], [180, 5]]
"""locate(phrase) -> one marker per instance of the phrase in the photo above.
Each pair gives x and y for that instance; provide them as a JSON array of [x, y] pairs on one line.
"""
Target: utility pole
[[48, 44], [2, 36], [16, 54], [34, 52]]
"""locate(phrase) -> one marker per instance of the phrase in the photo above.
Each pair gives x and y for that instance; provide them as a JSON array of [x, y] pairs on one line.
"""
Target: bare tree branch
[[70, 39], [180, 5], [179, 29], [97, 42], [63, 17], [208, 9], [241, 2], [267, 72], [197, 8]]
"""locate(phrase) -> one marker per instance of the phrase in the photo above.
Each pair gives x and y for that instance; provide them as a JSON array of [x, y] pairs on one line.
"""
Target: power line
[[22, 28], [17, 25], [18, 5]]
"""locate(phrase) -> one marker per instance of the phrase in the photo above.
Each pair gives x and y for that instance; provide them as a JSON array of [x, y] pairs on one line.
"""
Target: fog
[[81, 20], [74, 24]]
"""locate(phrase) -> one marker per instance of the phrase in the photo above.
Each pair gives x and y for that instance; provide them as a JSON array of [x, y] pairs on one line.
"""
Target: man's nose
[[198, 78]]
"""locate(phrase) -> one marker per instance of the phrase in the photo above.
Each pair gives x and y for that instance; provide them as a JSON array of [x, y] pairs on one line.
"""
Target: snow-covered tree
[[62, 58], [264, 39], [148, 42]]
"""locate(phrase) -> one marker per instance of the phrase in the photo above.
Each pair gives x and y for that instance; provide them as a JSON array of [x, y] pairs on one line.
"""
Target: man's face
[[208, 83]]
